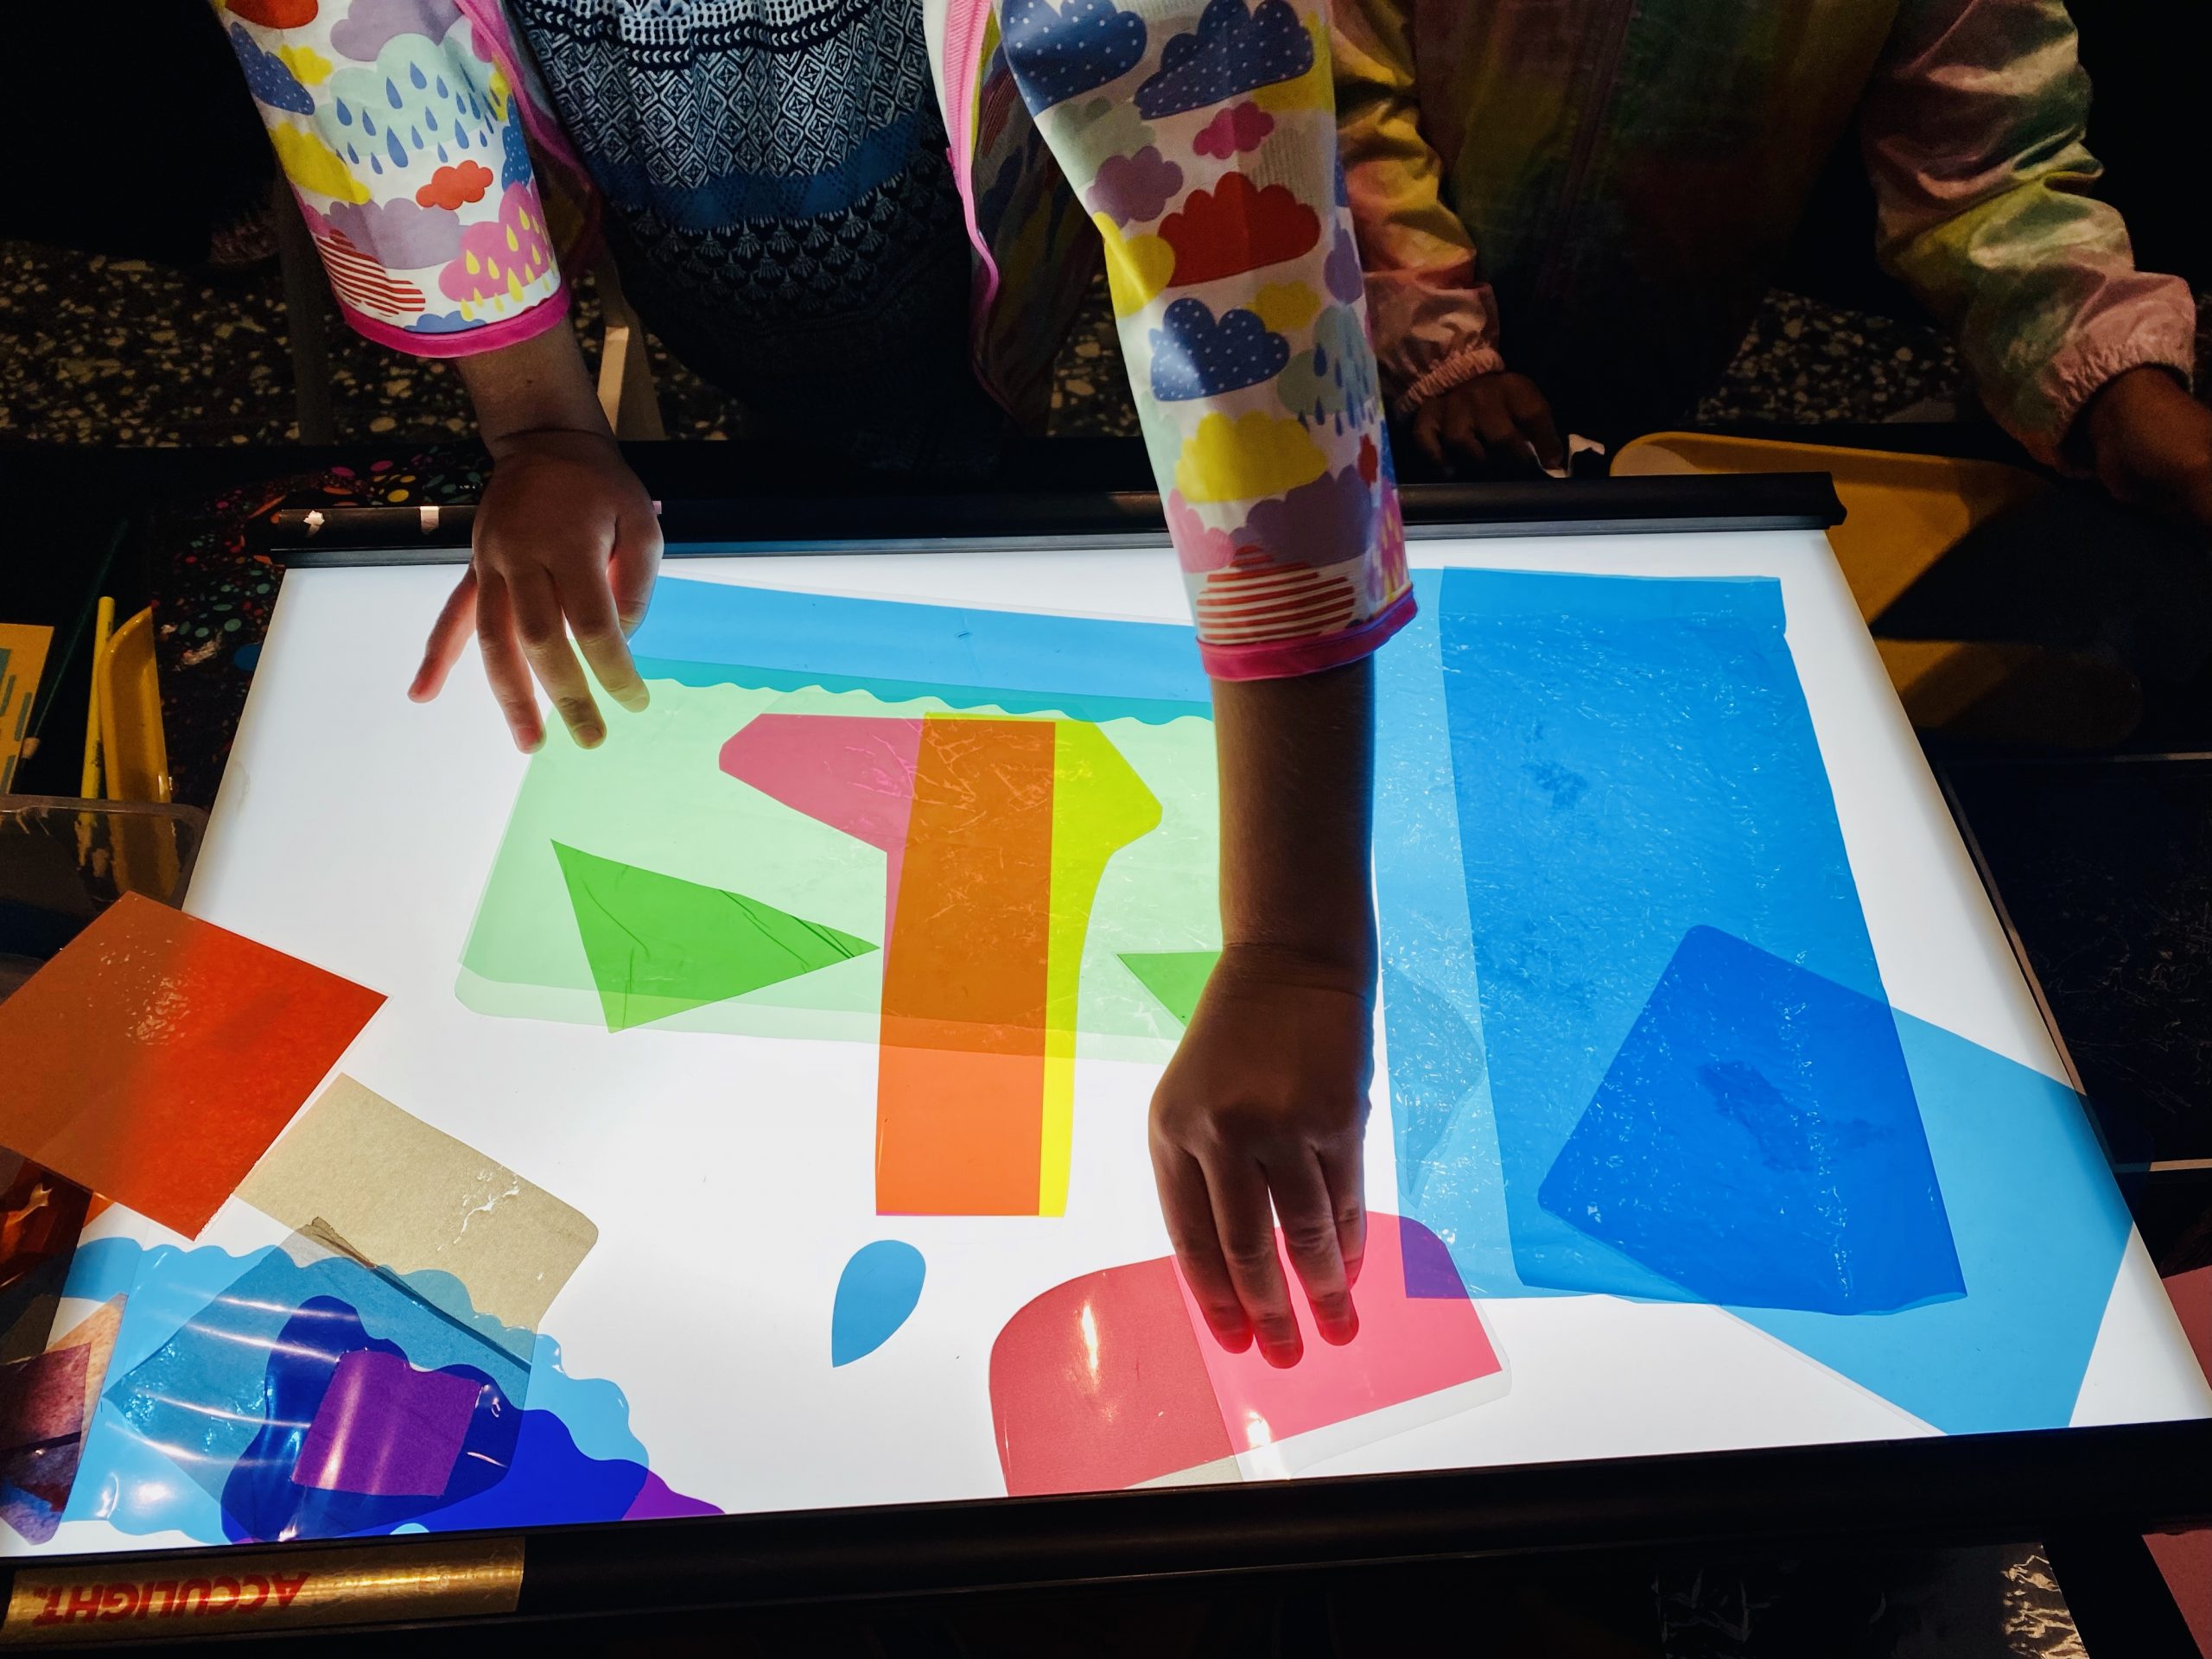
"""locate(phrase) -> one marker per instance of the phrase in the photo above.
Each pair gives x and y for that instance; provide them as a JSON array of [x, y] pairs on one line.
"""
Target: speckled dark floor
[[1805, 362], [96, 350]]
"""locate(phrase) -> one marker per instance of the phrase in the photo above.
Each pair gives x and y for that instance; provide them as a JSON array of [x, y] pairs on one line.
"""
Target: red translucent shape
[[155, 1058], [1099, 1384], [1112, 1380]]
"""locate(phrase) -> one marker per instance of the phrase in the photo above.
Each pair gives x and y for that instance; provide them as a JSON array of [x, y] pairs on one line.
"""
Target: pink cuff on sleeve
[[1476, 357], [2082, 375], [1284, 659], [468, 342]]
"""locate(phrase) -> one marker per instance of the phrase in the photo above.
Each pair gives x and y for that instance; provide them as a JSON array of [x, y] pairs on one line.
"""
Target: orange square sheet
[[155, 1058]]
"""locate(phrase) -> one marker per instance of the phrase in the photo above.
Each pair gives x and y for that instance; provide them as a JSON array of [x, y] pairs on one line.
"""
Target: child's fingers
[[632, 570], [504, 665], [1341, 1169], [545, 637], [1428, 424], [1495, 422], [1534, 416], [1309, 1232], [1460, 432], [447, 635], [589, 603], [1189, 1212], [1243, 1219], [1503, 434]]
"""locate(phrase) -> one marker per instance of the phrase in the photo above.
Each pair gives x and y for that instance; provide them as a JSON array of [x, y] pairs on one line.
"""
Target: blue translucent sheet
[[1756, 1142], [266, 1396], [1597, 765], [2040, 1226], [705, 634], [1636, 1039]]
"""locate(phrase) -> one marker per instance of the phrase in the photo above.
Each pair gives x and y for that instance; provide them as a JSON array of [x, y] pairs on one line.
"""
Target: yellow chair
[[1903, 513], [135, 755], [131, 761]]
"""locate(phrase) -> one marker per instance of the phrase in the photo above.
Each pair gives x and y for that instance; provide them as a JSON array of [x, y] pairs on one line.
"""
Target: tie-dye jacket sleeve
[[1435, 321], [1203, 141], [1973, 133], [399, 123]]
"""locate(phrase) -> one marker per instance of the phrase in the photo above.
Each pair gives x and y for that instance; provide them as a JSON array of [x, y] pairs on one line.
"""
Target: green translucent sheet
[[653, 797]]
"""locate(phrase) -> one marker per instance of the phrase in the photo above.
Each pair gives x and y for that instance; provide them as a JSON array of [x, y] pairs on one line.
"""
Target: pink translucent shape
[[1410, 1344], [1113, 1379], [862, 781], [1097, 1384]]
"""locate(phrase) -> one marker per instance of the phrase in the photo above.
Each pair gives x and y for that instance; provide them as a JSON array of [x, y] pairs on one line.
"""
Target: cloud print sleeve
[[399, 123], [1202, 142]]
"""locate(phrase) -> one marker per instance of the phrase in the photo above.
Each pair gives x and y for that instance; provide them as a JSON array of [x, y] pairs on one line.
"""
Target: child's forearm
[[538, 384], [1297, 765], [1260, 1119]]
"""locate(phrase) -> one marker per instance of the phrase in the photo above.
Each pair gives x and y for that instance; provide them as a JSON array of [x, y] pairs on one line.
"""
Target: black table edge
[[1951, 1489], [776, 524]]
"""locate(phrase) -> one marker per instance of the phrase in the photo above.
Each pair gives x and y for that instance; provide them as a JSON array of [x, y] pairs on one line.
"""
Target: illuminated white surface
[[731, 1177]]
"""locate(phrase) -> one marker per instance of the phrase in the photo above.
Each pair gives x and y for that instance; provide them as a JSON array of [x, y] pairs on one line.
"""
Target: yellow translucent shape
[[1099, 806]]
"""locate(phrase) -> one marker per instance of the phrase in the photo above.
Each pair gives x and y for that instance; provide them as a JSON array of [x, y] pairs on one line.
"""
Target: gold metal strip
[[227, 1592]]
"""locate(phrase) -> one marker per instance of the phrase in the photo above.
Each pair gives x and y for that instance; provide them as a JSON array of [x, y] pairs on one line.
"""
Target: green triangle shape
[[659, 945], [1175, 978]]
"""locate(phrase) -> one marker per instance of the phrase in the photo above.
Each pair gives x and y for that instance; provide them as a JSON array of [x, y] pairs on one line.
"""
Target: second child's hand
[[1498, 425], [566, 544], [2150, 443]]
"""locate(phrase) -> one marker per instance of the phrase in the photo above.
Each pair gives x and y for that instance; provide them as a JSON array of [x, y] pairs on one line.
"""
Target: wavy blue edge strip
[[703, 633]]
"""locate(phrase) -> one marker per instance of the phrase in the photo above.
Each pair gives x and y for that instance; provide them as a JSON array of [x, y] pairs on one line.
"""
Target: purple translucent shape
[[386, 1430]]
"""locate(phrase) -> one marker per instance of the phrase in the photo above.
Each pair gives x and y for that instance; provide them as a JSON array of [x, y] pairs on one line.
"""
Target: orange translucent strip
[[960, 1087]]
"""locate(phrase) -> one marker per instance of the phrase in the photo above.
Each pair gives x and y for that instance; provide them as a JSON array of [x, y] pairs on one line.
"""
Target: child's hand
[[1267, 1096], [2152, 443], [566, 542], [1494, 422]]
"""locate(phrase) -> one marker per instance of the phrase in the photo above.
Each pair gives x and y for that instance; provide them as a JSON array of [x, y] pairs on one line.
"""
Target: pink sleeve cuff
[[2085, 374], [1284, 659], [1476, 357], [468, 342]]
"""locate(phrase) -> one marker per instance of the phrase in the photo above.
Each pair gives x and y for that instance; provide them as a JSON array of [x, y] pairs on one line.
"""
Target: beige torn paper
[[406, 1197]]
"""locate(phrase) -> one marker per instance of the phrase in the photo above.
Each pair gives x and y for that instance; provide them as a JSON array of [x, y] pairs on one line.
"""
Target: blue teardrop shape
[[397, 149], [414, 73], [391, 91], [352, 155], [441, 87], [430, 119], [368, 123], [375, 166], [345, 115], [441, 154], [876, 1294]]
